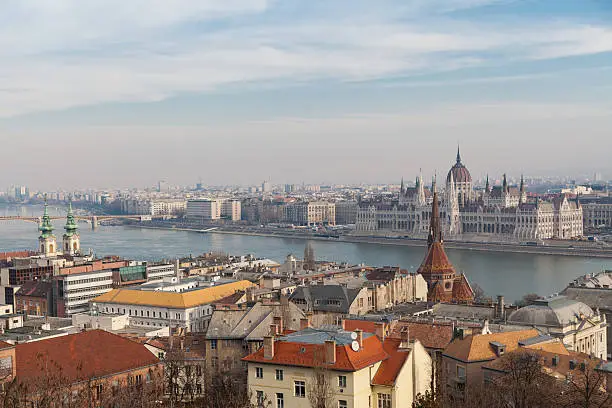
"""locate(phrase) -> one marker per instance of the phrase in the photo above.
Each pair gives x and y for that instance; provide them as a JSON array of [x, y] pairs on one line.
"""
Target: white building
[[160, 271], [203, 210], [78, 289], [189, 309], [231, 210]]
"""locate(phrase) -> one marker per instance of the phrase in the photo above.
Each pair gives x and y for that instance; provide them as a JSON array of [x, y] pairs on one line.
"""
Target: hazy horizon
[[108, 93]]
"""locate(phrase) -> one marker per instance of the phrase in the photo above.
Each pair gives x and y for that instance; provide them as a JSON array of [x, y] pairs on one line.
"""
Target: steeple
[[522, 191], [435, 232], [458, 154], [420, 189], [487, 184], [46, 228], [402, 186], [505, 184], [71, 225]]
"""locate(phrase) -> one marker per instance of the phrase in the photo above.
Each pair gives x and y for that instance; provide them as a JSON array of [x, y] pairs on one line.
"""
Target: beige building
[[203, 210], [598, 212], [311, 213], [231, 210], [362, 370], [574, 323]]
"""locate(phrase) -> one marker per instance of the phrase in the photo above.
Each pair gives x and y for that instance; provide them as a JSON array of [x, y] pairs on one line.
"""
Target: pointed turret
[[458, 155], [420, 189], [402, 187], [71, 225], [46, 228], [487, 187], [522, 191], [505, 184], [435, 232]]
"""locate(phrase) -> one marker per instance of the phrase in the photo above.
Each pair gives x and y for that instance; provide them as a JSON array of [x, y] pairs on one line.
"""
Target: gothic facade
[[498, 213]]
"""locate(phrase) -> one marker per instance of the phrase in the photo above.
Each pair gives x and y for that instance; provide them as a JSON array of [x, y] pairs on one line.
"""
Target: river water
[[512, 275]]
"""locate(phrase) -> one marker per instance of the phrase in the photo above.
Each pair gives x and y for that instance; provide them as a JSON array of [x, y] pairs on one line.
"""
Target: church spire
[[458, 154], [522, 190], [505, 184], [402, 186], [46, 228], [435, 233], [487, 184], [71, 225]]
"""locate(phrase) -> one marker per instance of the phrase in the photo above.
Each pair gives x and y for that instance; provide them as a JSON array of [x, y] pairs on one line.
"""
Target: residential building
[[8, 365], [161, 270], [574, 323], [150, 206], [464, 358], [311, 213], [90, 363], [364, 370], [330, 303], [190, 309], [34, 298], [236, 331]]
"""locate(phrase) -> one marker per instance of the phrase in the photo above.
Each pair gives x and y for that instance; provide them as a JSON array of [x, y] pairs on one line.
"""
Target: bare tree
[[585, 387], [320, 389]]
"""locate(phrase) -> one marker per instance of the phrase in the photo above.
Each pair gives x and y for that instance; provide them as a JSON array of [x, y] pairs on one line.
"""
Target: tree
[[528, 299], [585, 387], [319, 389]]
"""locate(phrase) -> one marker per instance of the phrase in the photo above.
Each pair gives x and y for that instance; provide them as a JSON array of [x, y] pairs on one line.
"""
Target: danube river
[[509, 274]]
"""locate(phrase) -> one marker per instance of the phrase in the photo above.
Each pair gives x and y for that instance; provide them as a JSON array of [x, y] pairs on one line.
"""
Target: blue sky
[[317, 91]]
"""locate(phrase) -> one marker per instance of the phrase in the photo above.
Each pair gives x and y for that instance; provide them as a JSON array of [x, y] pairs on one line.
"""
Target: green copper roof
[[71, 225], [46, 228]]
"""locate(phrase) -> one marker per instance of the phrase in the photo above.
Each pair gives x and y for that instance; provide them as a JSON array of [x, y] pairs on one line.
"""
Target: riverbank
[[585, 252]]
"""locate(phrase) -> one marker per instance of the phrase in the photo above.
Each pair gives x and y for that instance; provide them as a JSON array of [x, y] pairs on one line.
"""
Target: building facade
[[499, 213], [598, 213], [311, 213]]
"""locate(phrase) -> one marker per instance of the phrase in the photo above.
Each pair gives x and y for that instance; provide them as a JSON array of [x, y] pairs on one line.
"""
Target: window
[[300, 389], [384, 400], [342, 404], [279, 375], [99, 391], [138, 379], [280, 400], [260, 398], [214, 362], [342, 381], [213, 344], [258, 372], [460, 371]]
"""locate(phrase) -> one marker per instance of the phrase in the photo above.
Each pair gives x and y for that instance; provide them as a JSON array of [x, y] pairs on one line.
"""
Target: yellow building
[[360, 370], [190, 309]]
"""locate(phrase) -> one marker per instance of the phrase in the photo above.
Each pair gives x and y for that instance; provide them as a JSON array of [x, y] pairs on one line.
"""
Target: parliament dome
[[459, 172]]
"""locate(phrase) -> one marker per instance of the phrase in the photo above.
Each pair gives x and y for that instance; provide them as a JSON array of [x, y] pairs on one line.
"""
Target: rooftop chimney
[[343, 324], [304, 323], [273, 330], [500, 307], [268, 347], [359, 337], [330, 351], [380, 331], [278, 321]]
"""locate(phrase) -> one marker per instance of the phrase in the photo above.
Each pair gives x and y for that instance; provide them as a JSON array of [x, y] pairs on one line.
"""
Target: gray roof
[[593, 297], [542, 338], [320, 335], [463, 311], [557, 311], [319, 297], [253, 323]]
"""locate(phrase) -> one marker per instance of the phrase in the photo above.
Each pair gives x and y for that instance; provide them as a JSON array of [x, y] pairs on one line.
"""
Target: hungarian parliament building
[[497, 213]]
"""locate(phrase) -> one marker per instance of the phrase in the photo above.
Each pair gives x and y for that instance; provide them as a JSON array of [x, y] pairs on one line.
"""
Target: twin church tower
[[71, 241]]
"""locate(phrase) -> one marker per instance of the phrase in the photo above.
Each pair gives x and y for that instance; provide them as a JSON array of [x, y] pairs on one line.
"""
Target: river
[[509, 274]]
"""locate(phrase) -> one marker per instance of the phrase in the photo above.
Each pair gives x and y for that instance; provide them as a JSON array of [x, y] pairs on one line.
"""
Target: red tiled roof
[[306, 355], [431, 335], [478, 347], [4, 345], [436, 261], [462, 291], [365, 325], [82, 356], [390, 368]]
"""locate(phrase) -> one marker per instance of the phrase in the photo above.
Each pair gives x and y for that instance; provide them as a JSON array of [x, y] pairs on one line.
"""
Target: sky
[[109, 93]]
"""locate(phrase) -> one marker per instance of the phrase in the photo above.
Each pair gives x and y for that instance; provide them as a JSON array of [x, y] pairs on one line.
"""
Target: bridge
[[93, 219]]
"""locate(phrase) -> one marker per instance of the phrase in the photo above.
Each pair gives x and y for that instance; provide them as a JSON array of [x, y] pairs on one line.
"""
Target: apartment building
[[160, 271], [311, 213], [203, 210], [365, 370], [231, 210]]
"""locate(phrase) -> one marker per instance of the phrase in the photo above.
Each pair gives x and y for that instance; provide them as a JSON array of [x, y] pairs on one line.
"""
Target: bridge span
[[94, 220]]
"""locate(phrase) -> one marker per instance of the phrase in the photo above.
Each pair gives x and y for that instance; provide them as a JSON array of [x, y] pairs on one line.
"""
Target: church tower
[[71, 239], [46, 240]]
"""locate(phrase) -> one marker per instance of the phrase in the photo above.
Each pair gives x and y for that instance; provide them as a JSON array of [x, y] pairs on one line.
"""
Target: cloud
[[59, 54]]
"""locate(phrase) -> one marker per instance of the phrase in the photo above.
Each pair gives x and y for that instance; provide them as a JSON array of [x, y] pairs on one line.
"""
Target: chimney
[[343, 324], [555, 360], [268, 347], [500, 307], [359, 337], [380, 331], [304, 323], [273, 330], [405, 336], [278, 321], [330, 351]]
